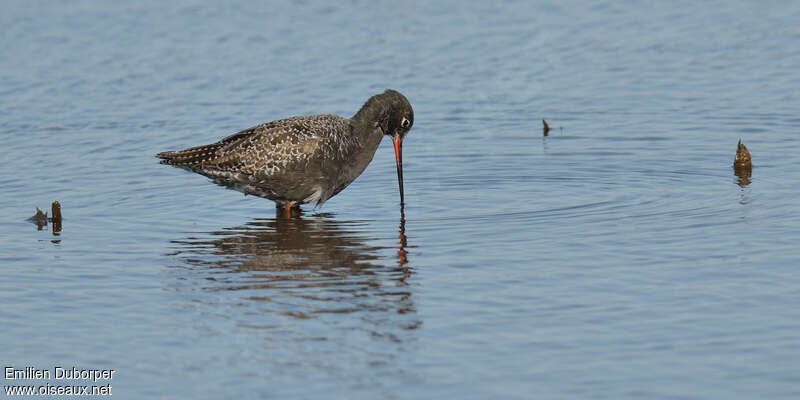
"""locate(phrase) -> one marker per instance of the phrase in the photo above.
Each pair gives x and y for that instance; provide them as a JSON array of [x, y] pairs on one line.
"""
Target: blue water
[[619, 257]]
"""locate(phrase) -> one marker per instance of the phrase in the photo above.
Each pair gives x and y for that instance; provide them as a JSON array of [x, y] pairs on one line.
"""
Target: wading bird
[[301, 160]]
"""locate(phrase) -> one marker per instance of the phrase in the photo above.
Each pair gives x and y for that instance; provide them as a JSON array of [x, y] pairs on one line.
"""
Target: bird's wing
[[265, 149]]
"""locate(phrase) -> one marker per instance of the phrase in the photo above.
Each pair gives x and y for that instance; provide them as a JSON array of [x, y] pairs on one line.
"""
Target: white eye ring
[[405, 123]]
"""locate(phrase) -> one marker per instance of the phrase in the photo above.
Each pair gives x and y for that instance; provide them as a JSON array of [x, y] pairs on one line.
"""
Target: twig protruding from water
[[40, 219], [742, 165], [742, 159], [55, 208]]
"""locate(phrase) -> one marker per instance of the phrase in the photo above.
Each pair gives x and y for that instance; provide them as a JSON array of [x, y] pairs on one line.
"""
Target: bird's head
[[391, 112]]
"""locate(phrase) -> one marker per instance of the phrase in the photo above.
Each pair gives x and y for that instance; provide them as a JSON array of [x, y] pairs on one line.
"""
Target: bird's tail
[[191, 156]]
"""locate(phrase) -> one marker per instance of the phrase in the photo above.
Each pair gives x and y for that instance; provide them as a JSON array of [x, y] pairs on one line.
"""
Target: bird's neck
[[372, 112], [366, 125]]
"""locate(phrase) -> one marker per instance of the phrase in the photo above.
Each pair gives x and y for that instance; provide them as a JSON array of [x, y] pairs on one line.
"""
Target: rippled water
[[618, 257]]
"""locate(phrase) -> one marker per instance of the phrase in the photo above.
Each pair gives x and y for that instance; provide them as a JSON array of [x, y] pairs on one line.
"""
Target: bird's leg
[[288, 209]]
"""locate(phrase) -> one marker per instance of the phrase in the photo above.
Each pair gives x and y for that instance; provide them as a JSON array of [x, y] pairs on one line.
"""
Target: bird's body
[[301, 160]]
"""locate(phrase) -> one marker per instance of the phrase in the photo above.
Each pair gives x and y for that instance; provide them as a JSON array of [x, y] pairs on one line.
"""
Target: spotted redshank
[[306, 159]]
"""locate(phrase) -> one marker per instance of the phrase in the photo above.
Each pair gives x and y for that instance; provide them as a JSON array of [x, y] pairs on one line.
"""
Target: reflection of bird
[[326, 265], [302, 159]]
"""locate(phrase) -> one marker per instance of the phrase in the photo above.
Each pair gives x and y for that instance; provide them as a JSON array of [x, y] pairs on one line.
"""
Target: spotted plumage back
[[269, 147], [260, 160]]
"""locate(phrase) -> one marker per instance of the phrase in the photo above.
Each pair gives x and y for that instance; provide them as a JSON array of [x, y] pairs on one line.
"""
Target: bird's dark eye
[[405, 123]]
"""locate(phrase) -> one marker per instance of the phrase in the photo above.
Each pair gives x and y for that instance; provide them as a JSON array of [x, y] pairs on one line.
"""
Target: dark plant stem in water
[[742, 164], [55, 208]]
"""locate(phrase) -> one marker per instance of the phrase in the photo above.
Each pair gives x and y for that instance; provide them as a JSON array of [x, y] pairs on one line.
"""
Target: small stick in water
[[56, 211], [546, 127], [742, 160], [55, 208], [742, 166]]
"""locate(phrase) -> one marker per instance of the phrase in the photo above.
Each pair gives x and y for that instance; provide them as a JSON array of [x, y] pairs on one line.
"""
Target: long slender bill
[[398, 154]]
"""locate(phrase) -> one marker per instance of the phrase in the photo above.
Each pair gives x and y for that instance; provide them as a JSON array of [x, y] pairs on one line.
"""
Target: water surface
[[619, 257]]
